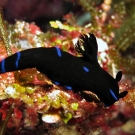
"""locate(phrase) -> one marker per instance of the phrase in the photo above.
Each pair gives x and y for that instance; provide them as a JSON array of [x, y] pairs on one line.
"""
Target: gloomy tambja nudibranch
[[63, 68]]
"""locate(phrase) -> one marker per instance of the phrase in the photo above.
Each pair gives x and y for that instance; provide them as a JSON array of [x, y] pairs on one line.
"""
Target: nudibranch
[[76, 73]]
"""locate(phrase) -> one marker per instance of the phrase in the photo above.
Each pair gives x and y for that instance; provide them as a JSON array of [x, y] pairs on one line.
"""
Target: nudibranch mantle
[[77, 73]]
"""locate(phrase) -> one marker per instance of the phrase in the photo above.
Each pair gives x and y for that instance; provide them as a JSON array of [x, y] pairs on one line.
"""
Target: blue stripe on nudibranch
[[114, 96], [57, 83], [17, 60], [58, 51], [3, 66], [68, 87], [86, 69]]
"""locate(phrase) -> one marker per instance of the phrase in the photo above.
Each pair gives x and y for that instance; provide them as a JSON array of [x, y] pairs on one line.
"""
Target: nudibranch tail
[[18, 61], [2, 66]]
